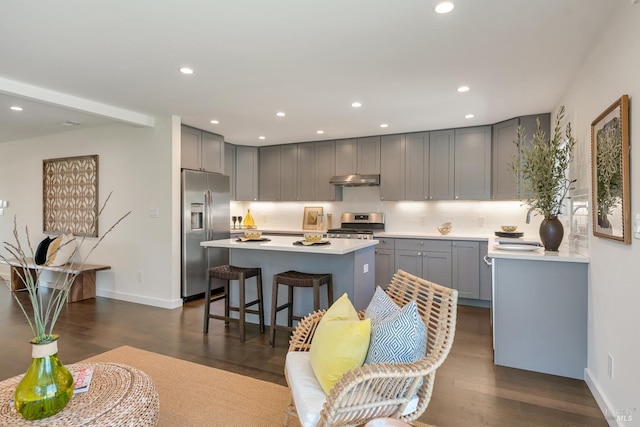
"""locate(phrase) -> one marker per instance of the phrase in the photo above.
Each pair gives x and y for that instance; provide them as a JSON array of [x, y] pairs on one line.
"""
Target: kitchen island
[[350, 261], [540, 310]]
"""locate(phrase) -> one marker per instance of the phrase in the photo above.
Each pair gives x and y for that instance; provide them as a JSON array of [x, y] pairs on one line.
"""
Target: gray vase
[[551, 233]]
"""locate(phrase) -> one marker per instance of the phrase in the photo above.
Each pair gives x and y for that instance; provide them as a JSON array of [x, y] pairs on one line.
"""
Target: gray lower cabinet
[[385, 262], [472, 172], [429, 259], [540, 315], [246, 173], [485, 273], [466, 268]]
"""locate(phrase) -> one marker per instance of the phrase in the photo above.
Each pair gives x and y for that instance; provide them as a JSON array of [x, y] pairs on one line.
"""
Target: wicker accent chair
[[362, 393]]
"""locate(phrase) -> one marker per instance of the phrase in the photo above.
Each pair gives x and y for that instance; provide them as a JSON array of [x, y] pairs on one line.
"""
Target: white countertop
[[565, 254], [434, 236], [285, 244]]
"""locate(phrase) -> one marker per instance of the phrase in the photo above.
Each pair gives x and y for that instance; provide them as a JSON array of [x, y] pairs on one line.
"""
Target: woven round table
[[119, 395]]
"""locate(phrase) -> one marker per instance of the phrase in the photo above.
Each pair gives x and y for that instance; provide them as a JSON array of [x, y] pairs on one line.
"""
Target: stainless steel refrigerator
[[205, 216]]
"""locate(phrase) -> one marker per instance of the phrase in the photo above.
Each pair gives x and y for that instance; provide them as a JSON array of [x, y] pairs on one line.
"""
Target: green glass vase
[[47, 386]]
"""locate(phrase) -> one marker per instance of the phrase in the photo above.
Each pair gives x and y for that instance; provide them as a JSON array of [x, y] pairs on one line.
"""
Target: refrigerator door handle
[[207, 215]]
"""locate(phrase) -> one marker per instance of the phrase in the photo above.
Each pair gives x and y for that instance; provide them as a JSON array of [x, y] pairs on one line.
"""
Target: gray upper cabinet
[[269, 173], [325, 155], [230, 167], [369, 155], [504, 184], [246, 173], [416, 177], [346, 156], [392, 182], [201, 150], [472, 172], [441, 165], [278, 172], [307, 171], [289, 172], [358, 156]]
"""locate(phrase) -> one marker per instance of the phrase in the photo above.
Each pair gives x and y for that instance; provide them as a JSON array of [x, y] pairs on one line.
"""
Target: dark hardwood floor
[[469, 390]]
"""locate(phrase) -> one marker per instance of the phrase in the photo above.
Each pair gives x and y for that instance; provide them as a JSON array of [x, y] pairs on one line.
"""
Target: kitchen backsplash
[[467, 217]]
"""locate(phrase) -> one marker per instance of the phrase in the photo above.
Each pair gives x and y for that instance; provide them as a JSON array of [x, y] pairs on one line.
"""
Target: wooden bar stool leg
[[260, 302], [241, 307], [330, 291], [207, 307], [274, 312], [227, 287], [290, 308], [316, 296]]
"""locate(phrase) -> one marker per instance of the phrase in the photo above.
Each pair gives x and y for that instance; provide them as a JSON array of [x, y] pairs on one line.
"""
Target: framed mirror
[[610, 171]]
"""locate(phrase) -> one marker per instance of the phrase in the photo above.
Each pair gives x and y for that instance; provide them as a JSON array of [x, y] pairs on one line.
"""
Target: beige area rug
[[197, 395]]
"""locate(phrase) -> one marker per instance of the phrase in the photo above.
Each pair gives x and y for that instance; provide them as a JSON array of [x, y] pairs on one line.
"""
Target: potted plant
[[47, 386], [542, 166]]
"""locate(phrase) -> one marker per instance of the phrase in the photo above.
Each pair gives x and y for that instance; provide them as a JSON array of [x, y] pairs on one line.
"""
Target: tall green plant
[[542, 166], [45, 314]]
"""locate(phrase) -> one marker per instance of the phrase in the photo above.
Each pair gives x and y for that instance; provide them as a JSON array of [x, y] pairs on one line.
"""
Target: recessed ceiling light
[[215, 122], [356, 104], [319, 132], [444, 7], [69, 123], [280, 114], [186, 70], [469, 116], [463, 89], [384, 125], [262, 137], [16, 108]]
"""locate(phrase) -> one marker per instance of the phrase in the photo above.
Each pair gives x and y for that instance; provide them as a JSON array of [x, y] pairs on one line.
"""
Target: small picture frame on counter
[[312, 218]]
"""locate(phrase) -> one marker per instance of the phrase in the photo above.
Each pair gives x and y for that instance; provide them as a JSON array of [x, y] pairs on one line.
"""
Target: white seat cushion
[[308, 396]]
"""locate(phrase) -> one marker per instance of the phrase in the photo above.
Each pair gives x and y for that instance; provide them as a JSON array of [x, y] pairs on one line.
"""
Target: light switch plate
[[154, 213]]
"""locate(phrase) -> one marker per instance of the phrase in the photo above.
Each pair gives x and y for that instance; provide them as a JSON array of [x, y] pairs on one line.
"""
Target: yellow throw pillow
[[339, 344]]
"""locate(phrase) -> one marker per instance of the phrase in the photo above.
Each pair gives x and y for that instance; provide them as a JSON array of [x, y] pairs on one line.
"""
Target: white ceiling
[[94, 62]]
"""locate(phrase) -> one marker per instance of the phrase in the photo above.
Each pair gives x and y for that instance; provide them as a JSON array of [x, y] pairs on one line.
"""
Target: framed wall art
[[610, 171], [70, 195], [312, 218]]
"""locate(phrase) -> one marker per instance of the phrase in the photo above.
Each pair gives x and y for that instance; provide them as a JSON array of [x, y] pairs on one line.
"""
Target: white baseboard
[[155, 302], [601, 399]]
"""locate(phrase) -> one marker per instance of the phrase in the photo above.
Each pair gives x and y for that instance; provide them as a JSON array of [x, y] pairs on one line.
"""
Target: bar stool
[[228, 273], [296, 279]]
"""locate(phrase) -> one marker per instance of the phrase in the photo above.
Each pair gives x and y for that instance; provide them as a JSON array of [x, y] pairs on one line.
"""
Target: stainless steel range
[[358, 226]]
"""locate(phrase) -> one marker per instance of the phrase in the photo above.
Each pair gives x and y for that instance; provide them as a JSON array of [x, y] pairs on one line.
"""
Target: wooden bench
[[83, 286]]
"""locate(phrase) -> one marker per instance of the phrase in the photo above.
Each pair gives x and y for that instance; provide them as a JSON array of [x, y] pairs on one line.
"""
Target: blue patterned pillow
[[398, 335]]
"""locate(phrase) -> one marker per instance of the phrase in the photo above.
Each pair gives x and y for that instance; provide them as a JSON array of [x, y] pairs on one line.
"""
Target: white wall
[[610, 71], [139, 166]]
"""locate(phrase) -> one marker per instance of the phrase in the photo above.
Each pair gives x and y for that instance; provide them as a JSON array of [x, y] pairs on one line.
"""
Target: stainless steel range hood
[[355, 180]]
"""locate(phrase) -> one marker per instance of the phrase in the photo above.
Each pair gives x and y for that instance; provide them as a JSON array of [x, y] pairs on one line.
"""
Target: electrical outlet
[[139, 276], [154, 213], [610, 365], [1, 211], [264, 219], [481, 221], [365, 268], [423, 220]]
